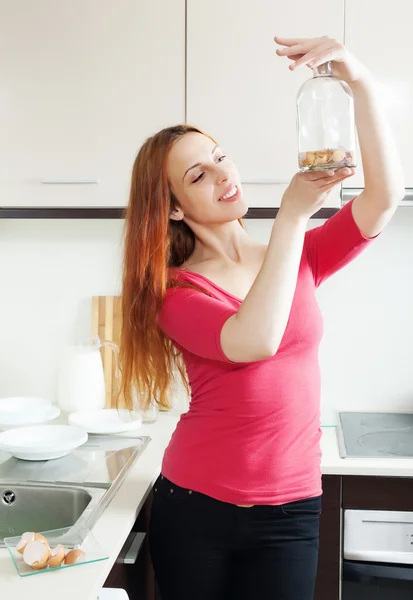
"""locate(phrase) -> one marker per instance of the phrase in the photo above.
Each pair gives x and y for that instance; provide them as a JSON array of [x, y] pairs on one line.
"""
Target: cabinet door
[[329, 559], [82, 84], [136, 578], [381, 37], [242, 93]]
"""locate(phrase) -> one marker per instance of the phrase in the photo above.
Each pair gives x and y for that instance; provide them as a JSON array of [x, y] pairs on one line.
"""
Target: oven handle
[[362, 571]]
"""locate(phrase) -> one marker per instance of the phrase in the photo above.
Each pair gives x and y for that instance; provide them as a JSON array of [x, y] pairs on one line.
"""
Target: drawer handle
[[348, 194], [131, 548], [265, 182], [68, 181]]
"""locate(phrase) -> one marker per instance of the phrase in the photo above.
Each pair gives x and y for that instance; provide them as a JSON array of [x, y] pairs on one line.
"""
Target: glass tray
[[84, 540]]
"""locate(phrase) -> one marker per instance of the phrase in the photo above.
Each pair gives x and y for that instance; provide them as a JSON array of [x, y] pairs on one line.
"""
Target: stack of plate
[[106, 420], [20, 411], [42, 442]]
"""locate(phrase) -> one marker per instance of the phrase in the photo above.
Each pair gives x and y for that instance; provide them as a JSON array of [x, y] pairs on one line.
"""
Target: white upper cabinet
[[82, 84], [380, 35], [242, 93]]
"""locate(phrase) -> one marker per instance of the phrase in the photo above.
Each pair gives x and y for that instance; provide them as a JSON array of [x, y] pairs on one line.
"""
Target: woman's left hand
[[316, 51]]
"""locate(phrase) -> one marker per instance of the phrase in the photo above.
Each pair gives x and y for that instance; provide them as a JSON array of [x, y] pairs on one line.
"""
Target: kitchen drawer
[[133, 570], [378, 493]]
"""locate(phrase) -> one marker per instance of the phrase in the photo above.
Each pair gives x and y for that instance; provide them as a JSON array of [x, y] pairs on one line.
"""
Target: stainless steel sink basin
[[71, 491], [41, 507]]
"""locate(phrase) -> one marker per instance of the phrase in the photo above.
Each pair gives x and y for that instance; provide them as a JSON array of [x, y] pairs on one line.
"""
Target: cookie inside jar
[[330, 158]]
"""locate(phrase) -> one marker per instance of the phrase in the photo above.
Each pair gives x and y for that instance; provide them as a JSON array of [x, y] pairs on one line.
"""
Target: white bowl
[[23, 410], [42, 442], [106, 420]]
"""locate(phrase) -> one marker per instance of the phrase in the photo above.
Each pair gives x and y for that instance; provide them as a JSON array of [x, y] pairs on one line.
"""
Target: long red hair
[[153, 243]]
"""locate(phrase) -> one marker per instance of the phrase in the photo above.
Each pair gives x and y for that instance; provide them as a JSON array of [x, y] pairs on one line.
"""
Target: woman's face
[[204, 181]]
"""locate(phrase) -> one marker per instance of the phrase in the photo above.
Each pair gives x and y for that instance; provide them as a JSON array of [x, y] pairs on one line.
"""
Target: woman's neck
[[228, 242]]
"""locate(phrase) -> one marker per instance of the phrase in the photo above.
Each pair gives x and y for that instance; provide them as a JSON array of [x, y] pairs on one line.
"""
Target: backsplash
[[50, 269]]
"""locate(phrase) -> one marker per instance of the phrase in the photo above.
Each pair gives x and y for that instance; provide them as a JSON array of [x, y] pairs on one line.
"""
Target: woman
[[236, 508]]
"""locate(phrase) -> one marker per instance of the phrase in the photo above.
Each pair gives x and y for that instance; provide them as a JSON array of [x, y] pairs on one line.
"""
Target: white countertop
[[114, 525], [111, 530]]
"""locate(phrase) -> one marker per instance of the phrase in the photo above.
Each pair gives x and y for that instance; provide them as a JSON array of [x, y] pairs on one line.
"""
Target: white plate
[[107, 420], [42, 442], [17, 410], [31, 418]]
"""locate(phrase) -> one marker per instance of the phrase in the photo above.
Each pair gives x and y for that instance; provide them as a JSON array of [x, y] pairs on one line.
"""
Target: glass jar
[[150, 414], [325, 122]]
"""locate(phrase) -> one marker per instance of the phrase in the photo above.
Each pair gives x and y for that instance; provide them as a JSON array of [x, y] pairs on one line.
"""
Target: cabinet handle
[[265, 182], [68, 181], [348, 194], [131, 548], [408, 199], [387, 522]]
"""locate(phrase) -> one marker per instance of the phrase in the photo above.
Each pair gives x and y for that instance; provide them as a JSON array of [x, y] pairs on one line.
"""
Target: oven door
[[376, 581], [378, 555]]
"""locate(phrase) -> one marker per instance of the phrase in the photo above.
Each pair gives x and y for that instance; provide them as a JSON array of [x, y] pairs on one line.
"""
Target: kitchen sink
[[70, 492], [40, 507]]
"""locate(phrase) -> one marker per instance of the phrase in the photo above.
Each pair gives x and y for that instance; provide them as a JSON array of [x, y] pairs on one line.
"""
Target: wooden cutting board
[[106, 323]]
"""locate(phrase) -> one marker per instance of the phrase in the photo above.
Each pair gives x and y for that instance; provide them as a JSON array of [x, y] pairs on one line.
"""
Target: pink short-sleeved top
[[252, 432]]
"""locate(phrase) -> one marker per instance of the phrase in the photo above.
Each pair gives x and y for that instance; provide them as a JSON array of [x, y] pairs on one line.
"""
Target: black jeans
[[204, 549]]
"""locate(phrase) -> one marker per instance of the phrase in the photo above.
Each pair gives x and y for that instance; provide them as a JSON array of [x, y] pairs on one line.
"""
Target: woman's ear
[[177, 214]]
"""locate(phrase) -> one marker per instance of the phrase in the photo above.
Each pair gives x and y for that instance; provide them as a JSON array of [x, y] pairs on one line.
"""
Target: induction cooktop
[[378, 435]]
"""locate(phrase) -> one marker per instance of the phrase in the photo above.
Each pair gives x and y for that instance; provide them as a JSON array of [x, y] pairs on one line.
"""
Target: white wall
[[50, 269], [366, 355]]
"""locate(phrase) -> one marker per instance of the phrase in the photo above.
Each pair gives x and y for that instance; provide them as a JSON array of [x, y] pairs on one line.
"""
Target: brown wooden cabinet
[[378, 493], [328, 573]]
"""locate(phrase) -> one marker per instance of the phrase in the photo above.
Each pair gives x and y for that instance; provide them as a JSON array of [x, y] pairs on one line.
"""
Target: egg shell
[[39, 537], [74, 556], [57, 556], [36, 554], [338, 156], [25, 539]]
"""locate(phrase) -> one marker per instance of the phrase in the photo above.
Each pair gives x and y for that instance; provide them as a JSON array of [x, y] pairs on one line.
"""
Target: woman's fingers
[[329, 177], [323, 55], [336, 180], [316, 175], [300, 45], [295, 57], [295, 49], [311, 52], [289, 41], [314, 57], [311, 45], [305, 59]]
